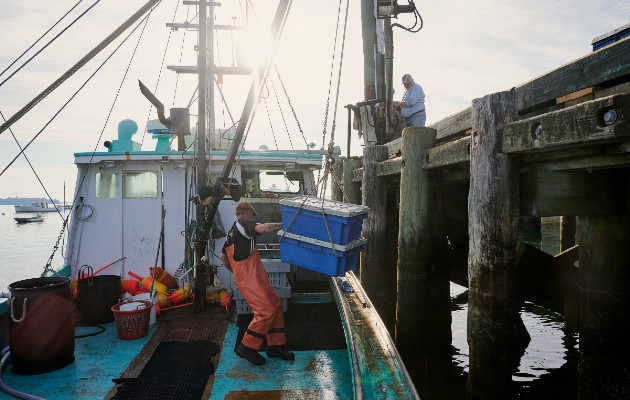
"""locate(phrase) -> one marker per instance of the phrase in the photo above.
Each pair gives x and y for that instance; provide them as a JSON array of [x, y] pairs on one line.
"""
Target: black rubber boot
[[250, 355], [280, 352]]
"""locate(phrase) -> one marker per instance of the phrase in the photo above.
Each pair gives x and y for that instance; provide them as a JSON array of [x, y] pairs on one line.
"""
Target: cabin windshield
[[279, 181]]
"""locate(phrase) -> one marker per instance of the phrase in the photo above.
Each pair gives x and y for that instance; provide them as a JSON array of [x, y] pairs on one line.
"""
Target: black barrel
[[95, 297], [41, 325]]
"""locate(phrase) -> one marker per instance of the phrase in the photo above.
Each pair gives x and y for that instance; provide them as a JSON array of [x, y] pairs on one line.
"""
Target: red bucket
[[134, 323]]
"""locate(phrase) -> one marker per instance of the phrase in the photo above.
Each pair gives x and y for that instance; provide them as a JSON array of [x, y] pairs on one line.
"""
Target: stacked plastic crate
[[277, 272], [322, 235]]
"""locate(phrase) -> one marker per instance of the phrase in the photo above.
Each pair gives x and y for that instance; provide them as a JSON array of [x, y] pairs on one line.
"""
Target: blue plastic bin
[[303, 216], [318, 255]]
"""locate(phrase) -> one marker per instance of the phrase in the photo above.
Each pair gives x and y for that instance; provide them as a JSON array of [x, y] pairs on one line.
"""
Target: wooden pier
[[556, 146]]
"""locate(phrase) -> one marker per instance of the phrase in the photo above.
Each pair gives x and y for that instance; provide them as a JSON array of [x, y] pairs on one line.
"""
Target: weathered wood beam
[[453, 125], [394, 148], [422, 313], [450, 153], [606, 65], [351, 188], [389, 167], [596, 121], [552, 193], [496, 333]]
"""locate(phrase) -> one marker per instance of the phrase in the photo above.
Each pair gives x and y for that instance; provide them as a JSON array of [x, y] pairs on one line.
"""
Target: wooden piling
[[350, 188], [423, 315], [377, 277], [604, 296], [495, 329], [336, 184]]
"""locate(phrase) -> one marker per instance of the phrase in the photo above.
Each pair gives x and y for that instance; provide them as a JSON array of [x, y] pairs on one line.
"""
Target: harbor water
[[548, 369]]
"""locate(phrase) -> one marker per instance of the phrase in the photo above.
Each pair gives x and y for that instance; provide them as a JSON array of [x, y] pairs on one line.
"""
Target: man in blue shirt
[[412, 105]]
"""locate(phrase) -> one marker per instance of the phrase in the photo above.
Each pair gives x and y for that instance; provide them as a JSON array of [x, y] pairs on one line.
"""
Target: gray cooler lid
[[330, 207]]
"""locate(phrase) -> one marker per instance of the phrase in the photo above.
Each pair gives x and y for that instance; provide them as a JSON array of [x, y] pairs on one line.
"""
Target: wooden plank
[[394, 148], [389, 167], [577, 95], [357, 175], [596, 68], [571, 127], [453, 125], [450, 153]]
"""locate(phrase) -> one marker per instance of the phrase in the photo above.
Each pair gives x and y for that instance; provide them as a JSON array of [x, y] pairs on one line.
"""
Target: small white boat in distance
[[33, 218], [37, 207]]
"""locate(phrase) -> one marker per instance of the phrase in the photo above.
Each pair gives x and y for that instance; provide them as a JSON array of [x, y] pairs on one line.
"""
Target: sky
[[464, 51]]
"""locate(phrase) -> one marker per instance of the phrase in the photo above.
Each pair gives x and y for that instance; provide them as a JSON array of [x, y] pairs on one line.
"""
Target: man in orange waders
[[240, 256]]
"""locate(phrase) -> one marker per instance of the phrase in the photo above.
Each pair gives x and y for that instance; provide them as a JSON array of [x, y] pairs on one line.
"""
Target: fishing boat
[[38, 207], [32, 218], [136, 214]]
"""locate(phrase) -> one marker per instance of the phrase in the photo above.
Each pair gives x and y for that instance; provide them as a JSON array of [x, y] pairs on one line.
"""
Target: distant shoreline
[[17, 201]]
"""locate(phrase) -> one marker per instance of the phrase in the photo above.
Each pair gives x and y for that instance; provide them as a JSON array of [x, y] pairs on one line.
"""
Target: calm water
[[547, 369], [25, 248]]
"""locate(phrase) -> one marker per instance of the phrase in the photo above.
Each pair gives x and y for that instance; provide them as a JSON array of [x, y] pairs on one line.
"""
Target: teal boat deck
[[369, 368], [98, 360]]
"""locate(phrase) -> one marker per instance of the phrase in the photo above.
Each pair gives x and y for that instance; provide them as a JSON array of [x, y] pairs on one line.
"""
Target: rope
[[47, 44], [23, 310], [41, 37], [79, 64]]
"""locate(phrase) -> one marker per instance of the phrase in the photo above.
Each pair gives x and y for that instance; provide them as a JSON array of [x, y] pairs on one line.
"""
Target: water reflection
[[548, 368]]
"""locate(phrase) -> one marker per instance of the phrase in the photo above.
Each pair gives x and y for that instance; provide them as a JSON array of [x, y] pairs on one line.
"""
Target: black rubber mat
[[176, 370], [191, 330], [308, 327]]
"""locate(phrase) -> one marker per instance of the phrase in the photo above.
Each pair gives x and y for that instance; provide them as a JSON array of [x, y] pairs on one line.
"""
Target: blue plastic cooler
[[318, 255], [303, 216]]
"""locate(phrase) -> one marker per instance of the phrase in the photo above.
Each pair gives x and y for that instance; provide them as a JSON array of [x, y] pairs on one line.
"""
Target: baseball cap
[[245, 205]]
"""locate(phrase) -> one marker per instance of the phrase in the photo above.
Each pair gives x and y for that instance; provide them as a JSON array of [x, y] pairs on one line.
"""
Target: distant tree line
[[23, 200]]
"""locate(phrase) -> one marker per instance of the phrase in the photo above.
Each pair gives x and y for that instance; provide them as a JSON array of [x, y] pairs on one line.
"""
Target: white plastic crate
[[243, 308], [277, 272]]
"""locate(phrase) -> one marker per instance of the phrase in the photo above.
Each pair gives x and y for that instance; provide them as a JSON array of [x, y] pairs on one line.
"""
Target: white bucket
[[147, 296]]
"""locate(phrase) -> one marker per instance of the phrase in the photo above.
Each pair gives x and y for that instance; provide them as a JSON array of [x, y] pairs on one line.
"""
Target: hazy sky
[[467, 49]]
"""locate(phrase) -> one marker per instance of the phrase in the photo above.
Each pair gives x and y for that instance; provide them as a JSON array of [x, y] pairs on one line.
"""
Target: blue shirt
[[414, 101]]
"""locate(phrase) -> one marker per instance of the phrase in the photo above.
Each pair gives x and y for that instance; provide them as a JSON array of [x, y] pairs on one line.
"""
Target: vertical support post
[[423, 315], [495, 328], [376, 275], [603, 367], [202, 237], [337, 180], [352, 190]]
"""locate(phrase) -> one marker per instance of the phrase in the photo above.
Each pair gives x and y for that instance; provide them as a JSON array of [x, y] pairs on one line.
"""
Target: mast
[[202, 234]]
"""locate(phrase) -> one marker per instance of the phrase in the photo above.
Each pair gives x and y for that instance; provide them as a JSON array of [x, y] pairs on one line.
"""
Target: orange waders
[[251, 278]]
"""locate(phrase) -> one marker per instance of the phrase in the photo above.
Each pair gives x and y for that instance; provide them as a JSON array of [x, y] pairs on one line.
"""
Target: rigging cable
[[181, 52], [74, 95], [275, 93], [157, 83], [291, 106], [48, 267], [273, 133], [332, 68], [31, 165], [40, 38], [49, 43], [79, 64]]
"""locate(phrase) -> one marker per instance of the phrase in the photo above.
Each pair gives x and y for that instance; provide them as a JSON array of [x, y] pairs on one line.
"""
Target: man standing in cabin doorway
[[412, 105], [240, 256]]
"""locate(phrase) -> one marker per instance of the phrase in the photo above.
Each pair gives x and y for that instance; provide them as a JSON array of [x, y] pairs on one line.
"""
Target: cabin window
[[279, 181], [140, 184], [107, 185]]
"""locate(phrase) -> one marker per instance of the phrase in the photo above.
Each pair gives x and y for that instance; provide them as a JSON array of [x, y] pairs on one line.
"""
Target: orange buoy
[[164, 277], [130, 286], [180, 294], [147, 282]]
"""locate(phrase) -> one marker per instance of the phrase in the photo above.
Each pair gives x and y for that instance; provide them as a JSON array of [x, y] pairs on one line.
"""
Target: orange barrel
[[41, 325]]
